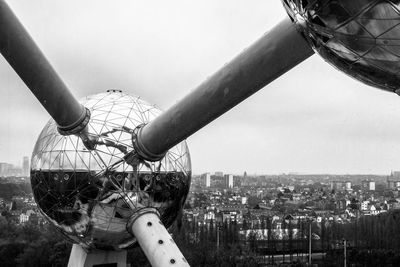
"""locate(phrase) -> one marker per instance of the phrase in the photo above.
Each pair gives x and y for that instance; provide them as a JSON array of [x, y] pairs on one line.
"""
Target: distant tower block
[[206, 179], [393, 181], [348, 186], [228, 178], [340, 185], [368, 185], [25, 166]]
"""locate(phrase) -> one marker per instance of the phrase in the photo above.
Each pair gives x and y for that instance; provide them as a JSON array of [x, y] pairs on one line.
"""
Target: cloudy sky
[[311, 120]]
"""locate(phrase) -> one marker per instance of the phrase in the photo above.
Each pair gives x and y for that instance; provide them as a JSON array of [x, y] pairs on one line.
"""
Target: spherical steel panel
[[90, 194], [359, 37]]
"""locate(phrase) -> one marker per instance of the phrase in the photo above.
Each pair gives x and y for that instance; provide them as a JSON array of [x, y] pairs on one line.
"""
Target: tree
[[290, 241], [252, 201], [211, 232], [245, 224], [353, 204], [284, 228], [9, 253], [252, 240]]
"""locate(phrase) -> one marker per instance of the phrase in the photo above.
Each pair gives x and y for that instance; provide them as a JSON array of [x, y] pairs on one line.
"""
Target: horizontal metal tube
[[274, 54], [30, 64]]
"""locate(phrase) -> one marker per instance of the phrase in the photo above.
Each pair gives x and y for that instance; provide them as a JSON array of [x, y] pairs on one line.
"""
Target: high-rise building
[[25, 166], [393, 181], [341, 185], [348, 186], [5, 169], [206, 179], [368, 185], [228, 180], [338, 185], [2, 168]]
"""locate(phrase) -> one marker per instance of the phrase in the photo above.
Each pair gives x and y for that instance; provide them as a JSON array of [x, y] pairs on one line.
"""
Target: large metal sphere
[[89, 195], [359, 37]]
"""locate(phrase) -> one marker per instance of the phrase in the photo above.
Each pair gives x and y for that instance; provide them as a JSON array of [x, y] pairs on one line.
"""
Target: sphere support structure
[[81, 258], [155, 241]]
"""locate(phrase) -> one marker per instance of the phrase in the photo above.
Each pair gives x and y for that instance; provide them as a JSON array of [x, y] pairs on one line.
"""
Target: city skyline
[[18, 163], [8, 169], [314, 119], [249, 173]]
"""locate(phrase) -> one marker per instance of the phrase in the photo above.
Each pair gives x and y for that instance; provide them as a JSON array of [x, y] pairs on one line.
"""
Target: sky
[[313, 119]]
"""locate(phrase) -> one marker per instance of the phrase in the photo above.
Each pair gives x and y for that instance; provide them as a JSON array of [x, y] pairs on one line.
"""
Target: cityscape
[[10, 170], [250, 220], [297, 169]]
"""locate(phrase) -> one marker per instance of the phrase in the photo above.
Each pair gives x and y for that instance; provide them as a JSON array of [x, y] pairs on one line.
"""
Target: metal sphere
[[90, 194], [359, 37]]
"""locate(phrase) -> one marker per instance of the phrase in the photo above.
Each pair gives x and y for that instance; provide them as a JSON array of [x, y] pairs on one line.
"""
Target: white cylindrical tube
[[154, 239]]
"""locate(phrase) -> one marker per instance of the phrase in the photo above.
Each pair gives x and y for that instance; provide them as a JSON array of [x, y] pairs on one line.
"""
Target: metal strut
[[272, 55], [25, 57]]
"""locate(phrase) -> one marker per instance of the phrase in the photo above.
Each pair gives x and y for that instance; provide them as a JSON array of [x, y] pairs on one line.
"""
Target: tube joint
[[137, 214], [140, 149], [78, 126]]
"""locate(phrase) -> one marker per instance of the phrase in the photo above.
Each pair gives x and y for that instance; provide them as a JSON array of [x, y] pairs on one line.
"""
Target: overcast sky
[[313, 119]]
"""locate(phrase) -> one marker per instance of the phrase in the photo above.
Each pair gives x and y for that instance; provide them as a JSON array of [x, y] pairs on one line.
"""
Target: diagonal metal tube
[[271, 56], [30, 64], [275, 53]]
